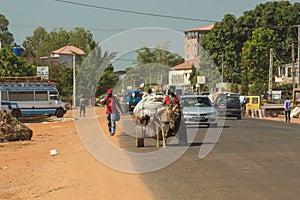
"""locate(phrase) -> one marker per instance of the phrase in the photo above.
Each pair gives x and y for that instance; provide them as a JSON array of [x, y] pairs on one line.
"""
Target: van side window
[[41, 96], [21, 96], [4, 95]]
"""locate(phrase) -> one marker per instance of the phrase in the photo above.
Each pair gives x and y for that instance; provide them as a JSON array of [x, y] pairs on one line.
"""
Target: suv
[[228, 106]]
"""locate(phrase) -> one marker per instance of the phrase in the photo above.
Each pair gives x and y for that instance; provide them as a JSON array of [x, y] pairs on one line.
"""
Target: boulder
[[11, 129]]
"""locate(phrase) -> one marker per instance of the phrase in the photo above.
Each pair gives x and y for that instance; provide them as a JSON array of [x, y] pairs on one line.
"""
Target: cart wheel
[[274, 113], [139, 135]]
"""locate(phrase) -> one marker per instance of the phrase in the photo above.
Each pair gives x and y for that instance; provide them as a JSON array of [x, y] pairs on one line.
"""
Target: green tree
[[37, 45], [234, 87], [11, 65], [43, 43], [159, 55], [279, 16], [96, 74], [193, 77], [208, 69], [6, 37], [223, 45], [256, 56], [108, 80], [228, 37]]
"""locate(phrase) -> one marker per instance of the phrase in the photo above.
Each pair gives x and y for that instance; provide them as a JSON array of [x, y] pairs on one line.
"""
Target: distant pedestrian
[[287, 108], [82, 105]]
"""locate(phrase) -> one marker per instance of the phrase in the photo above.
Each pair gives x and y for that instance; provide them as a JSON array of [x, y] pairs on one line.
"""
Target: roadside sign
[[43, 71], [276, 94], [201, 79]]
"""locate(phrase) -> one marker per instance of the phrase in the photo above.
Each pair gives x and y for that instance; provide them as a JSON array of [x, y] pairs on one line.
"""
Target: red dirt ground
[[27, 171]]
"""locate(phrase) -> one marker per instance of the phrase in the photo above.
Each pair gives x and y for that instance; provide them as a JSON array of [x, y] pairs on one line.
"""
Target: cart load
[[153, 120]]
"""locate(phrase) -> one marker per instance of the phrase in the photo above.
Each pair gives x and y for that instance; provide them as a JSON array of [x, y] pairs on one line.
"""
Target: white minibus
[[26, 99]]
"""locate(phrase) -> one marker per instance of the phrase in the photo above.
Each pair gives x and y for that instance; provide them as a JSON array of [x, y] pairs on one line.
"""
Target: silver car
[[198, 110]]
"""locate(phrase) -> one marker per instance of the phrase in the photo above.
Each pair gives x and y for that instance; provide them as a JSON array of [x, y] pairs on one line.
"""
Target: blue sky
[[26, 15]]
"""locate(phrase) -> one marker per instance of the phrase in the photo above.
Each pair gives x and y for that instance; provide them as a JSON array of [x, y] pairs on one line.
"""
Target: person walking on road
[[111, 109], [82, 104], [287, 108]]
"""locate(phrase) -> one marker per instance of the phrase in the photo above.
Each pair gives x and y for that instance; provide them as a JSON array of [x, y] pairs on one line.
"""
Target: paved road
[[253, 159]]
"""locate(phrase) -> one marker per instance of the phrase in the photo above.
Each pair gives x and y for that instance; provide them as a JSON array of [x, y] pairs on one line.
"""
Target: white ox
[[152, 116]]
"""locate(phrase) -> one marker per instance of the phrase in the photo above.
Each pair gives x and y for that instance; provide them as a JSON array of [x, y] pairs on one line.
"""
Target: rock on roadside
[[11, 129]]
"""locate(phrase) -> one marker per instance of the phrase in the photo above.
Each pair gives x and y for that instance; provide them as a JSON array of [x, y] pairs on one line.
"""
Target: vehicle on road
[[255, 103], [31, 98], [228, 106], [98, 100], [198, 110], [296, 97], [131, 98]]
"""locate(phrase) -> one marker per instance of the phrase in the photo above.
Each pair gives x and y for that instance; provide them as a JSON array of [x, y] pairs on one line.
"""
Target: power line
[[73, 27], [134, 12]]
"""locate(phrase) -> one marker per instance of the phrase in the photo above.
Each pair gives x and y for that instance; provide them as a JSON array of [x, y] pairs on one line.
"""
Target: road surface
[[253, 159]]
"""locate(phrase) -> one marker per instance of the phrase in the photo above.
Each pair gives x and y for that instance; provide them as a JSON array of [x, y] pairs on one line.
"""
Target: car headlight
[[212, 114]]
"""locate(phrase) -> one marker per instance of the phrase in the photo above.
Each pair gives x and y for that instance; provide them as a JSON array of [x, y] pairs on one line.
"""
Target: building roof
[[69, 50], [203, 29], [183, 66]]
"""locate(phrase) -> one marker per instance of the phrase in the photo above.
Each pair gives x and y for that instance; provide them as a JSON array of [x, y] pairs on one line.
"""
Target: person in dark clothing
[[82, 105], [287, 108]]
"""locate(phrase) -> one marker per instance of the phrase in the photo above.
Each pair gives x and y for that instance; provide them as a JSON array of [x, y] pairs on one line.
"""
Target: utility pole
[[74, 81], [270, 75], [293, 66], [222, 68], [298, 56]]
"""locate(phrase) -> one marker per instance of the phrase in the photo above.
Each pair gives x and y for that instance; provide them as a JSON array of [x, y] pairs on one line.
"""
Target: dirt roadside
[[27, 171], [281, 118]]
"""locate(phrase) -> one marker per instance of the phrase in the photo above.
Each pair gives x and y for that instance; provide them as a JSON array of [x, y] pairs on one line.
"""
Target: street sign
[[201, 79], [43, 71]]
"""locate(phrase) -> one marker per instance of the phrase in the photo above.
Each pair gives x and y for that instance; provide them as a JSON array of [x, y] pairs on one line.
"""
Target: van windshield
[[54, 95]]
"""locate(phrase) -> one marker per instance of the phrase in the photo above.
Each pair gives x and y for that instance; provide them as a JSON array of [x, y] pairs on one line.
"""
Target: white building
[[180, 74], [285, 75]]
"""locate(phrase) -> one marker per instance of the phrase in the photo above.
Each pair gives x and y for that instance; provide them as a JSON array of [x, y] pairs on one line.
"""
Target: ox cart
[[154, 120]]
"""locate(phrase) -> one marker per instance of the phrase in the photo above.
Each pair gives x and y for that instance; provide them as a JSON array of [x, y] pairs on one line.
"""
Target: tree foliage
[[6, 37], [96, 74], [223, 45], [107, 80], [159, 55], [255, 57], [11, 65], [42, 43], [244, 43]]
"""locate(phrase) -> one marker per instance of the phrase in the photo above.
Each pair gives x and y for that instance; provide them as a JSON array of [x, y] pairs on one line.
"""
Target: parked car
[[228, 106], [198, 110]]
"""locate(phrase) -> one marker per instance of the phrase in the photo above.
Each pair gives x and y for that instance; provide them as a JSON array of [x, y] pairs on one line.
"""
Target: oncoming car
[[198, 110], [132, 97]]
